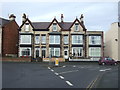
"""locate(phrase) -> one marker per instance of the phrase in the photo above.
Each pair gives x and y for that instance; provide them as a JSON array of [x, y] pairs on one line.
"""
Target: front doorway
[[66, 53], [43, 52]]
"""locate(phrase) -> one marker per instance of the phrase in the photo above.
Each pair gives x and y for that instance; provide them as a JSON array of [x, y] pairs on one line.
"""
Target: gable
[[26, 27], [54, 26]]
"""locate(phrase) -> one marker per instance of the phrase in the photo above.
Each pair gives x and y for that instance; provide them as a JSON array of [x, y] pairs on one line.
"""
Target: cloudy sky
[[97, 15]]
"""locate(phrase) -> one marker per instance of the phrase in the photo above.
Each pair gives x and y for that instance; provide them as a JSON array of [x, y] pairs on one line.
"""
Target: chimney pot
[[12, 17], [62, 17]]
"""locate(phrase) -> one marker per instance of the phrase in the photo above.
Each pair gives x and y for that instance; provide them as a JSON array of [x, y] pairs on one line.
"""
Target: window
[[54, 27], [55, 51], [37, 39], [25, 39], [44, 39], [76, 27], [54, 39], [25, 51], [77, 51], [95, 51], [65, 39], [26, 27], [77, 39], [94, 40]]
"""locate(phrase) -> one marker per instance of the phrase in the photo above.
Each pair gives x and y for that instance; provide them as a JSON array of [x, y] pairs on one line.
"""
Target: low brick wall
[[17, 59], [53, 59]]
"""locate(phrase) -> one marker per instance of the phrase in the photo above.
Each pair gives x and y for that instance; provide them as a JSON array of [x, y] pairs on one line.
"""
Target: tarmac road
[[67, 75]]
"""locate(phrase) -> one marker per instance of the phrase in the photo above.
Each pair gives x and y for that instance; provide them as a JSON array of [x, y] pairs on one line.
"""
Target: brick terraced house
[[59, 39], [9, 36]]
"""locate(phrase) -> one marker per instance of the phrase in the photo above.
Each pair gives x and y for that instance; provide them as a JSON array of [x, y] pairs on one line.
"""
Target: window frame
[[77, 39], [97, 40], [43, 42], [76, 26], [54, 26], [23, 39], [54, 51], [23, 48], [37, 41], [95, 52], [65, 39], [79, 51], [54, 39], [27, 27]]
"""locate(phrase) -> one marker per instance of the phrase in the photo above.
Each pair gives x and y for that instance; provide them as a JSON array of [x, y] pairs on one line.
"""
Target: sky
[[97, 15]]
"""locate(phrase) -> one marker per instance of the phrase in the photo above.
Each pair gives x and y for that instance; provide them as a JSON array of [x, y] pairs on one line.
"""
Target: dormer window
[[76, 27], [27, 27], [54, 27]]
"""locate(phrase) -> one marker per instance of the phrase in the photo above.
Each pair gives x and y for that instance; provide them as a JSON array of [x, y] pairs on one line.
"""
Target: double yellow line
[[92, 83]]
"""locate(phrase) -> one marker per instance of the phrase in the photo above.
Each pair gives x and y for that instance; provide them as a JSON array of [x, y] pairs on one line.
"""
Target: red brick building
[[10, 36]]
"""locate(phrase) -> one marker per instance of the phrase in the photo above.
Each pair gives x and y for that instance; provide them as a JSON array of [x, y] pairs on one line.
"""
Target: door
[[66, 54], [37, 53], [43, 53]]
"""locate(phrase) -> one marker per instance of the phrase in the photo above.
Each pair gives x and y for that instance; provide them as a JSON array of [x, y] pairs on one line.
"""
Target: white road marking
[[69, 71], [52, 70], [101, 70], [69, 83], [49, 68], [74, 66], [61, 77], [64, 66], [105, 69], [56, 74]]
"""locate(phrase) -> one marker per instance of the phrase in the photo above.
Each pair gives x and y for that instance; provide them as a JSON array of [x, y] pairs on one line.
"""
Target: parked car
[[107, 60]]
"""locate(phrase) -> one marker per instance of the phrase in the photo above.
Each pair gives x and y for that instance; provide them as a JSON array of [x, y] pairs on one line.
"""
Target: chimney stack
[[12, 17], [24, 18], [81, 19], [62, 18]]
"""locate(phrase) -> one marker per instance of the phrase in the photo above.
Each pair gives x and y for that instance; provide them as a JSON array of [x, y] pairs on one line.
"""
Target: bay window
[[54, 39], [77, 51], [95, 40], [25, 51], [77, 39], [54, 51], [95, 51], [25, 39]]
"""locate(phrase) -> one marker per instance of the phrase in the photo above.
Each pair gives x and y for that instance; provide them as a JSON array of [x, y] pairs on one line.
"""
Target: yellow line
[[92, 83]]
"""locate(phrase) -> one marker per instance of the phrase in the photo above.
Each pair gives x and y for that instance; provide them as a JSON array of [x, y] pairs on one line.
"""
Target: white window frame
[[43, 42], [92, 52], [21, 48], [54, 50], [77, 26], [37, 41], [23, 39], [54, 26], [66, 37], [77, 38], [27, 27], [97, 40], [77, 48], [54, 39]]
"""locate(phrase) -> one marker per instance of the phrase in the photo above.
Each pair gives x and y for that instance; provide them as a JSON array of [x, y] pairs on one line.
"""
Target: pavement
[[67, 75]]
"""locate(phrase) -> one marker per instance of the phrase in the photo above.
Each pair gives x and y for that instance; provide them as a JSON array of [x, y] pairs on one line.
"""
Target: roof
[[40, 25], [46, 25], [3, 21]]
